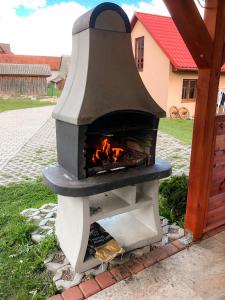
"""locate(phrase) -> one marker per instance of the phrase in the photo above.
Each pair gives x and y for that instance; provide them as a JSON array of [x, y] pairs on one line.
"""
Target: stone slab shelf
[[110, 204], [63, 183], [129, 231]]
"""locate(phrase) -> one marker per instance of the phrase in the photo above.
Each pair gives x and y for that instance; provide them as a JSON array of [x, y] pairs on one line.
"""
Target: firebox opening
[[120, 140]]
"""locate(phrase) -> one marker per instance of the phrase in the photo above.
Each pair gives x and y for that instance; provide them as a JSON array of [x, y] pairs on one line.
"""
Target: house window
[[189, 89], [139, 53]]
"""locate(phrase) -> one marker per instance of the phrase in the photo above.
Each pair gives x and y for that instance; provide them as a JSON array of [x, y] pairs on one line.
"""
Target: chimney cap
[[105, 16]]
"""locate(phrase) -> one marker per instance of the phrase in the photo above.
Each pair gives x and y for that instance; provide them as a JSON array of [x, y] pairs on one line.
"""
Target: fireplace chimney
[[103, 77]]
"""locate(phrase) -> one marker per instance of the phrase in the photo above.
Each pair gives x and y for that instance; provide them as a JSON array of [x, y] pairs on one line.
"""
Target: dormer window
[[139, 53]]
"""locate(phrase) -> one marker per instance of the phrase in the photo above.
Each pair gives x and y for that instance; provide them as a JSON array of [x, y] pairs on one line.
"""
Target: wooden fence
[[216, 205], [23, 85]]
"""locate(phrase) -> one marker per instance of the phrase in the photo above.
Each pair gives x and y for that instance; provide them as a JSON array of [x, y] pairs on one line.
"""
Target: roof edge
[[176, 68], [53, 61], [134, 19]]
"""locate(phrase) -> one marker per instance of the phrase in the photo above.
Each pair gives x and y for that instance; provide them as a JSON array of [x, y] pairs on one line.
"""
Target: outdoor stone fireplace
[[106, 128]]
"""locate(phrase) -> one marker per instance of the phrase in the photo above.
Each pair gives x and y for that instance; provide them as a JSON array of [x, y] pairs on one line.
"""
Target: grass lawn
[[180, 129], [22, 272], [11, 104]]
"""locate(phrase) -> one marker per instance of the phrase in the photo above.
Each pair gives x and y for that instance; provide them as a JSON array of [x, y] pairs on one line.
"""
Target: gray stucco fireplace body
[[106, 129]]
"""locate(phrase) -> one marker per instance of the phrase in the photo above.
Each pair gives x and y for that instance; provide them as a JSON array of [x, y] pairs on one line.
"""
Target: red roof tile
[[164, 32], [53, 62]]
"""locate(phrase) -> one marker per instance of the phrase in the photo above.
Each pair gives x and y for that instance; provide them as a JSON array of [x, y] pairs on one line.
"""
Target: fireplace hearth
[[119, 140], [106, 129]]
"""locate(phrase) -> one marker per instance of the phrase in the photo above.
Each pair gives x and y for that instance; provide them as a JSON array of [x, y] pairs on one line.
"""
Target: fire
[[106, 147], [112, 153], [116, 153]]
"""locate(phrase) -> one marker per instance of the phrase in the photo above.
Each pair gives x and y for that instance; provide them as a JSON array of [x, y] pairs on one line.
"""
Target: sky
[[43, 27]]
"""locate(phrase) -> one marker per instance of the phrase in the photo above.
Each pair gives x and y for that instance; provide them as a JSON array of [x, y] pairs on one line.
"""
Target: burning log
[[105, 150], [132, 158]]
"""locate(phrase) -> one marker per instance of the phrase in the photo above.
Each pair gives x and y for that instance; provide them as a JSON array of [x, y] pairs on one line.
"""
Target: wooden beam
[[192, 29], [223, 53], [203, 143]]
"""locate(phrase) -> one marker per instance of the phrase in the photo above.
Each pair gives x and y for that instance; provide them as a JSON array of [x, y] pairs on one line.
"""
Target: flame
[[116, 153], [106, 149]]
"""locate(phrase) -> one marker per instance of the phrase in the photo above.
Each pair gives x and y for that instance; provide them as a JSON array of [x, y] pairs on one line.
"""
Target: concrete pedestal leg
[[129, 214], [72, 228]]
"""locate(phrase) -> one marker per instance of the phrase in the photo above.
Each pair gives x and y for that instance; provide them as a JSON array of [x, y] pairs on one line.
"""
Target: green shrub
[[173, 196]]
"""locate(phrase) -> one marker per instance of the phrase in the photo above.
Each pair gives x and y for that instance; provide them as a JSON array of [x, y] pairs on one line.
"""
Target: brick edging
[[135, 265]]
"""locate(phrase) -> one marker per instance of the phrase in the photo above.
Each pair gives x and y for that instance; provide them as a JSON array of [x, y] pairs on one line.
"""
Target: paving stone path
[[28, 144], [17, 127], [177, 153], [38, 152]]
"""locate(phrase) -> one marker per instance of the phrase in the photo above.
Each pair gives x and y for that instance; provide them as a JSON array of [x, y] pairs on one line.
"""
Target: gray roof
[[25, 69], [64, 66], [57, 79], [5, 48]]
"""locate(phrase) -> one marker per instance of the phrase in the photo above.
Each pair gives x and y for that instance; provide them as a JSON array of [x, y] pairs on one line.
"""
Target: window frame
[[188, 90], [139, 53]]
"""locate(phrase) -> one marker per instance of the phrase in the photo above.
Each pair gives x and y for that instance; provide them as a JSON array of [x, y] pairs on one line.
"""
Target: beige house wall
[[164, 85], [155, 74], [222, 81], [175, 90]]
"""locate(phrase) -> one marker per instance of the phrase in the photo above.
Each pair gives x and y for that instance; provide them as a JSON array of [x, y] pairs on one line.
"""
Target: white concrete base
[[130, 214]]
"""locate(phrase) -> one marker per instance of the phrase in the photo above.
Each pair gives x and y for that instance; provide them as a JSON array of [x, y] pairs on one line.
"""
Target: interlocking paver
[[177, 153], [17, 127], [33, 146], [38, 152]]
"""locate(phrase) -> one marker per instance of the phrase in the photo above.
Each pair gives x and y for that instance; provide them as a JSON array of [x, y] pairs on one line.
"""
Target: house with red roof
[[164, 62]]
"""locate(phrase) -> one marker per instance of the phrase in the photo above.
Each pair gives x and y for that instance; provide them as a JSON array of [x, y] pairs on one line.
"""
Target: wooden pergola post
[[205, 41]]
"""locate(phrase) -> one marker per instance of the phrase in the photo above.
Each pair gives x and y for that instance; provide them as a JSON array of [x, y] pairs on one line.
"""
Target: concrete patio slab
[[194, 273]]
